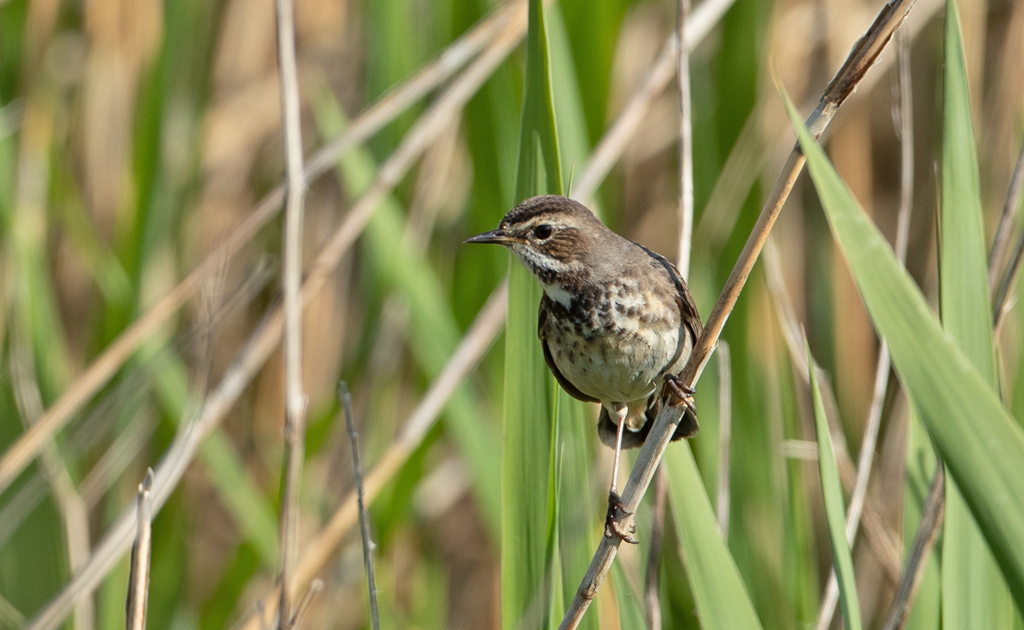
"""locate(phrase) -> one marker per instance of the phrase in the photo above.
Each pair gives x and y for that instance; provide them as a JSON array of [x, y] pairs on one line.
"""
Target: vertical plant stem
[[364, 518], [924, 541], [295, 400], [138, 577], [685, 143], [724, 436]]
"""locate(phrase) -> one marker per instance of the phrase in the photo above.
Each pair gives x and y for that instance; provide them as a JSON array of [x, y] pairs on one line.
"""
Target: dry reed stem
[[880, 536], [295, 399], [864, 52], [685, 143], [869, 441], [364, 518], [510, 17], [138, 576], [724, 436], [1001, 240], [1009, 277], [924, 541], [652, 582]]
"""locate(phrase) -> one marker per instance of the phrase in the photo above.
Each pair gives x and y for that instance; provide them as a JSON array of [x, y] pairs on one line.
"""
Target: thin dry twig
[[857, 63], [364, 519], [1001, 240], [865, 459], [295, 399], [924, 541], [509, 18], [724, 436], [1009, 277], [880, 536], [685, 143], [138, 576]]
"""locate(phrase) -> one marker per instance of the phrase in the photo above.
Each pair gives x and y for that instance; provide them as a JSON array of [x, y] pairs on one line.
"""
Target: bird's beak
[[494, 236]]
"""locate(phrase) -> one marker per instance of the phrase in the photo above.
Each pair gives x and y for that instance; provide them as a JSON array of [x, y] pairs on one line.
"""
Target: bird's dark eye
[[542, 231]]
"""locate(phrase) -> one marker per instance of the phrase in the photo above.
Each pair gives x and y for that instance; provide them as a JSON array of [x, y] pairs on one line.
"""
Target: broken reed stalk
[[138, 576], [860, 59], [509, 18], [364, 519], [295, 399], [865, 458]]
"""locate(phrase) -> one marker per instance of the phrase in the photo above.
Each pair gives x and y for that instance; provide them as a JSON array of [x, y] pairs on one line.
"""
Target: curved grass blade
[[835, 513], [974, 595], [976, 437]]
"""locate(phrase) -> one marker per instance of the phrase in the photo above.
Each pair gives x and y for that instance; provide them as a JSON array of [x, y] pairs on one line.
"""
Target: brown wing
[[571, 389], [690, 318]]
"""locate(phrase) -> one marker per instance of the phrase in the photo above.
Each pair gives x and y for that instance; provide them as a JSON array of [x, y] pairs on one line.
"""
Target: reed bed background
[[142, 163]]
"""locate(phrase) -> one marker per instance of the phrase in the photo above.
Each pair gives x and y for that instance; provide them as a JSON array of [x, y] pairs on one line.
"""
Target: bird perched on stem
[[615, 319]]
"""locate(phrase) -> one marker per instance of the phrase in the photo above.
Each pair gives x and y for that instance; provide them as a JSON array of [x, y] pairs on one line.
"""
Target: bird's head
[[551, 235]]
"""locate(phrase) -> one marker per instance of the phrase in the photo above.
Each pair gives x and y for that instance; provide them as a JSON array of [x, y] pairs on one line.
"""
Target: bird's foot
[[678, 393], [613, 521]]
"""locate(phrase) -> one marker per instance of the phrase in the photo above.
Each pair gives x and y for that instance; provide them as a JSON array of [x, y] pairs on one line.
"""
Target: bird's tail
[[607, 430]]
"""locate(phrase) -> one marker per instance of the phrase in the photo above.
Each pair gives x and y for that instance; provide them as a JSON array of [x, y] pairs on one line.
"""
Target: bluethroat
[[615, 320]]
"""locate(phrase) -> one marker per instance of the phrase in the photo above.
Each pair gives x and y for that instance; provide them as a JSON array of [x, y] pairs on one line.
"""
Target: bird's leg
[[616, 509], [678, 393]]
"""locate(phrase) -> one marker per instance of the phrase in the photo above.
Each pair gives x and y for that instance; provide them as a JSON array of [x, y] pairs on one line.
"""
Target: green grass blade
[[722, 600], [835, 513], [973, 592], [976, 437], [528, 385]]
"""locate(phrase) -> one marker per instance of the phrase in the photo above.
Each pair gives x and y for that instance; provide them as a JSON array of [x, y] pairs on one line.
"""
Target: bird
[[615, 320]]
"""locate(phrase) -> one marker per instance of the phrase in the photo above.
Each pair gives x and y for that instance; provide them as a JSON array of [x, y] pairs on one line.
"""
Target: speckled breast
[[614, 343]]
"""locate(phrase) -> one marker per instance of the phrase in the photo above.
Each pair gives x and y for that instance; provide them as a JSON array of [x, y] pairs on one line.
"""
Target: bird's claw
[[678, 393], [617, 513]]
